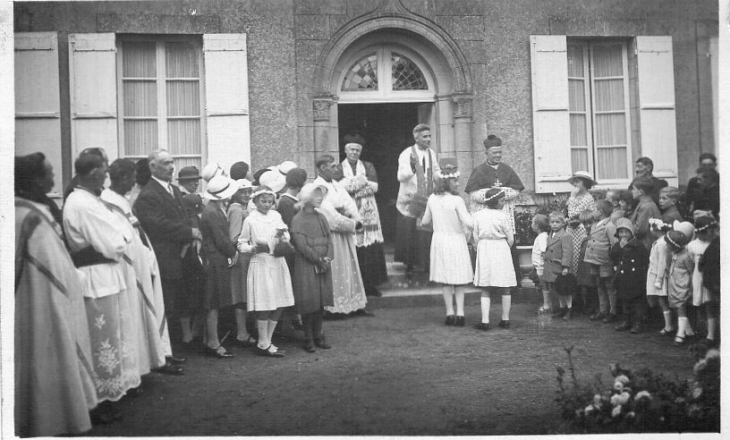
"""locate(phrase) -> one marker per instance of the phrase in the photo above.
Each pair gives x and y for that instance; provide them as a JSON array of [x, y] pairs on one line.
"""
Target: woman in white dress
[[494, 269], [452, 224], [269, 286]]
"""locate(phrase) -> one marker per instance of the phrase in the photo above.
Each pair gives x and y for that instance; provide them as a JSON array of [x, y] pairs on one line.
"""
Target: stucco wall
[[285, 39]]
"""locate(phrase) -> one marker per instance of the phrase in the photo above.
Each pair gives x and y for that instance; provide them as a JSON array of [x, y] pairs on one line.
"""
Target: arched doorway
[[379, 76]]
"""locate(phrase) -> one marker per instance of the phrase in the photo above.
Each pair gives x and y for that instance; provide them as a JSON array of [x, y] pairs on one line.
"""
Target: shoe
[[217, 353], [504, 324], [665, 332], [177, 360], [623, 327], [459, 321], [481, 326], [597, 316], [679, 341], [364, 312], [567, 315], [248, 343], [544, 310], [450, 320], [269, 352], [322, 344], [610, 318], [560, 312], [636, 328], [309, 348], [171, 369]]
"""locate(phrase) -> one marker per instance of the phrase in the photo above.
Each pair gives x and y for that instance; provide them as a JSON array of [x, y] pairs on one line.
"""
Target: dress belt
[[89, 257]]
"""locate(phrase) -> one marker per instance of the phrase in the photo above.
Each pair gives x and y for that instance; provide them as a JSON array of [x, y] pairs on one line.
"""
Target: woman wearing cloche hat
[[218, 253]]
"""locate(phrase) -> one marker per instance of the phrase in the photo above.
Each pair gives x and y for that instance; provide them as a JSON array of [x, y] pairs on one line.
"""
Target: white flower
[[712, 353], [597, 400], [618, 386], [615, 400], [697, 392], [630, 415], [624, 398], [622, 378], [642, 394], [99, 321], [589, 409], [616, 411]]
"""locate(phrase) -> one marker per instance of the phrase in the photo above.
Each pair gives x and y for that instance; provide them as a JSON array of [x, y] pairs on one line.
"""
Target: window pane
[[181, 60], [140, 98], [611, 163], [363, 75], [607, 60], [183, 136], [578, 131], [140, 137], [577, 95], [575, 61], [406, 75], [610, 129], [609, 95], [579, 159], [139, 60], [183, 98]]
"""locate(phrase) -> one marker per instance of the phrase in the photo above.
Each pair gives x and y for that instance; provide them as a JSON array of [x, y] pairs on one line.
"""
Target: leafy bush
[[524, 235], [641, 401]]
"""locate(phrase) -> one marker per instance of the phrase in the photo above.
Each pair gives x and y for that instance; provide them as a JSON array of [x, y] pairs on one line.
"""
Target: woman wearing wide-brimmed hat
[[219, 253], [580, 200]]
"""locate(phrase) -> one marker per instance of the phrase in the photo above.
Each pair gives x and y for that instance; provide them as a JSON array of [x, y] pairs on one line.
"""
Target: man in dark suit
[[160, 210], [645, 169]]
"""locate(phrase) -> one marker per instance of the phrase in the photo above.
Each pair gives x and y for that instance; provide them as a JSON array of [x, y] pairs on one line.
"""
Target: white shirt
[[164, 184]]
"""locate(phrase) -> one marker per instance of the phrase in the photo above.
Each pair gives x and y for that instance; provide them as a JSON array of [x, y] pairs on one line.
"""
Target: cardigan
[[558, 254]]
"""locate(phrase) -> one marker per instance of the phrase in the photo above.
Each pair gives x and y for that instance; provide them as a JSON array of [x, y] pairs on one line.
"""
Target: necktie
[[425, 170], [169, 189]]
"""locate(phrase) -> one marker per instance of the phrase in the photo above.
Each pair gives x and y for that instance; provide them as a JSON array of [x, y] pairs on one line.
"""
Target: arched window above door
[[386, 74]]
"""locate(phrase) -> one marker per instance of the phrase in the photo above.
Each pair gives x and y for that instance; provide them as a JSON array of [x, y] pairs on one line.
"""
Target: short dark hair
[[323, 159], [143, 172], [710, 156], [27, 169], [627, 197], [542, 222], [420, 128], [87, 161], [646, 162], [604, 206], [643, 184], [121, 169], [496, 194]]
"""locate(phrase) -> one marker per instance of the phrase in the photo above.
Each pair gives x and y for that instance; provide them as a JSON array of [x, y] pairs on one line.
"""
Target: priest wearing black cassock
[[495, 174]]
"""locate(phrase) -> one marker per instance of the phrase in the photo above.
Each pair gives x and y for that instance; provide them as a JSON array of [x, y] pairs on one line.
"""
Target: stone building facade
[[565, 83]]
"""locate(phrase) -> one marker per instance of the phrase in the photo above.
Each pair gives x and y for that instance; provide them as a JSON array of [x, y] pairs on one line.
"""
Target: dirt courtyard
[[401, 372]]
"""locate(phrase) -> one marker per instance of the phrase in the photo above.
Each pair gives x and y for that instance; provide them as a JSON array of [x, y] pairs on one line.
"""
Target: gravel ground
[[399, 373]]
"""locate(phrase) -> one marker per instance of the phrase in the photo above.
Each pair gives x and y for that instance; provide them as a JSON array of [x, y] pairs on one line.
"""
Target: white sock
[[506, 304], [263, 328], [561, 300], [448, 292], [485, 309], [546, 299], [682, 326], [667, 319], [711, 327], [459, 293], [569, 301]]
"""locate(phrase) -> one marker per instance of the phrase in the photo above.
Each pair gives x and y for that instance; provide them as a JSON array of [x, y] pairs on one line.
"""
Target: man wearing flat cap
[[493, 173]]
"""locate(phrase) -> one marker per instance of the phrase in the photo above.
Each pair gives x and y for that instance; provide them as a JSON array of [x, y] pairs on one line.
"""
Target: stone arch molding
[[391, 14]]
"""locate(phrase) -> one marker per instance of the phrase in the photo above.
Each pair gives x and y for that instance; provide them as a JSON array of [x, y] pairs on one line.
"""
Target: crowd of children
[[623, 256]]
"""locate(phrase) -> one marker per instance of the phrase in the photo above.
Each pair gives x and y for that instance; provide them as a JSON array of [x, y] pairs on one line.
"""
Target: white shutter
[[550, 117], [656, 105], [93, 81], [226, 98], [37, 99]]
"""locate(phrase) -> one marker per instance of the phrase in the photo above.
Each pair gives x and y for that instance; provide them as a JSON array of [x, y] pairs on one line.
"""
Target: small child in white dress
[[657, 279], [494, 270], [450, 260], [705, 228], [269, 287]]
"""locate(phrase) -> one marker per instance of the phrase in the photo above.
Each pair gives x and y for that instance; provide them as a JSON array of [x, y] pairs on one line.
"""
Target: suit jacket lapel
[[167, 197]]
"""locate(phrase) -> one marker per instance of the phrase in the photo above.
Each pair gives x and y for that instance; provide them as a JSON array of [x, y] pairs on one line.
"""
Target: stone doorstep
[[431, 296]]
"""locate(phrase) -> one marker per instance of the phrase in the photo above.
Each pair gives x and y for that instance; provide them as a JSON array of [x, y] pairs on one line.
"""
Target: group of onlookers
[[103, 283], [635, 249]]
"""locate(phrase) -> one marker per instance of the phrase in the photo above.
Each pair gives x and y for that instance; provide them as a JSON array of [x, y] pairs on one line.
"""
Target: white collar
[[164, 184]]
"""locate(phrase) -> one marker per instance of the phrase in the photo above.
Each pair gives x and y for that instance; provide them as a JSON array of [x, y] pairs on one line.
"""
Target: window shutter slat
[[93, 74], [550, 113], [656, 105], [37, 99], [226, 94]]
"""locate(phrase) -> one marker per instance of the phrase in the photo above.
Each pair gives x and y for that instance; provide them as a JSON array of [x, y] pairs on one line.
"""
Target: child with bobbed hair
[[600, 240], [668, 199], [657, 279], [682, 267], [541, 226], [450, 260], [558, 261], [494, 269], [626, 204]]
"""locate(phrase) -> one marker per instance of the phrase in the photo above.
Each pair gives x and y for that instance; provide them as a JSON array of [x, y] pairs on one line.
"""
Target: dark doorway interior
[[386, 130]]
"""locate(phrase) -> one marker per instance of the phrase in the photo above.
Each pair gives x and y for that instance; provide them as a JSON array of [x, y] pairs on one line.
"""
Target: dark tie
[[425, 170]]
